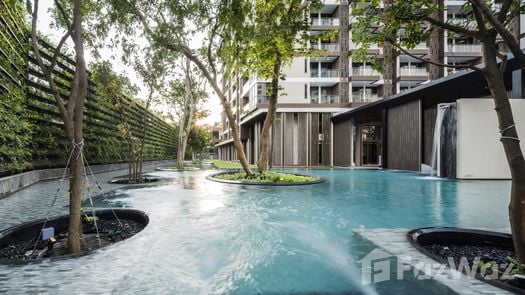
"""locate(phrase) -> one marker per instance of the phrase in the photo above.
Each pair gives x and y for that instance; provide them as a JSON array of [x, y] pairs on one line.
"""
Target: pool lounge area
[[206, 237]]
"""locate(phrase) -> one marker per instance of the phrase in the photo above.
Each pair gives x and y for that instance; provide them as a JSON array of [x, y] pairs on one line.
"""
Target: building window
[[305, 91], [306, 65]]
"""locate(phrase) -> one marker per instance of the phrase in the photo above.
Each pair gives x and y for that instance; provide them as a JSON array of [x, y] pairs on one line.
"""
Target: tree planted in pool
[[170, 28], [199, 142], [69, 16], [263, 37], [400, 24], [184, 98], [151, 68]]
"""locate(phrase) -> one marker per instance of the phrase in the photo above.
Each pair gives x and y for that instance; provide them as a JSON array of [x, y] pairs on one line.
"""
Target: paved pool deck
[[395, 242]]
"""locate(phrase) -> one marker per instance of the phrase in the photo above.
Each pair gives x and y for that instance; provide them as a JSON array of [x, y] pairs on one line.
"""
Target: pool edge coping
[[14, 183]]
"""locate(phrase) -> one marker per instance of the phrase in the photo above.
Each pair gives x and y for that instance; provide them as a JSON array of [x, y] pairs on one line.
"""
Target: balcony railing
[[364, 71], [361, 97], [324, 21], [263, 98], [358, 45], [324, 73], [325, 99], [325, 46], [464, 47], [413, 71]]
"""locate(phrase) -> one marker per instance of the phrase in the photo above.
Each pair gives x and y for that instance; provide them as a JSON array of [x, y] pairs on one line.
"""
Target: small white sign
[[48, 233]]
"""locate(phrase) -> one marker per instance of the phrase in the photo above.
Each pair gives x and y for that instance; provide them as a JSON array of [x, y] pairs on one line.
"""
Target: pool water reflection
[[207, 237]]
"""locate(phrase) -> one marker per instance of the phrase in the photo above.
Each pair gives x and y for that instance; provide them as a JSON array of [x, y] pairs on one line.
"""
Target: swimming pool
[[207, 237]]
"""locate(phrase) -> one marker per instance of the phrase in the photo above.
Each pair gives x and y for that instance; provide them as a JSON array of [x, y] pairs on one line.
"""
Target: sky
[[114, 56]]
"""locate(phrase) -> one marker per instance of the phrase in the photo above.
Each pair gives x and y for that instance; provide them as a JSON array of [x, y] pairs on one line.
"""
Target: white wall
[[296, 68], [480, 153], [294, 92]]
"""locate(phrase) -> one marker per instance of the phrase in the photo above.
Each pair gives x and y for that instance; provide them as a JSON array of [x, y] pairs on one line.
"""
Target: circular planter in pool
[[126, 181], [212, 177], [175, 169], [20, 239], [440, 243]]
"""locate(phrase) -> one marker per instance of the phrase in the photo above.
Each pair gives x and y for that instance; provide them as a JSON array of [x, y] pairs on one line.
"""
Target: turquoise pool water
[[212, 238]]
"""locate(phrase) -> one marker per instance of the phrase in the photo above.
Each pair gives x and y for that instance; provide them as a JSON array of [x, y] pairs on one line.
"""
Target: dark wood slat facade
[[403, 137], [429, 124], [302, 137], [343, 144]]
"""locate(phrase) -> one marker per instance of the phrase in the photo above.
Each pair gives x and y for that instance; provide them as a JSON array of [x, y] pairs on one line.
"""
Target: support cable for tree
[[64, 177], [508, 137], [87, 172], [101, 190]]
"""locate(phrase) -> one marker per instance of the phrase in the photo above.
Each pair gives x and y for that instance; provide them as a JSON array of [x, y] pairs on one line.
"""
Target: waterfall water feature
[[440, 115]]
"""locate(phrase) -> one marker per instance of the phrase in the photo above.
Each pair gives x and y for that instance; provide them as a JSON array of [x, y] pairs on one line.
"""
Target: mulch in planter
[[484, 253], [111, 231], [476, 246]]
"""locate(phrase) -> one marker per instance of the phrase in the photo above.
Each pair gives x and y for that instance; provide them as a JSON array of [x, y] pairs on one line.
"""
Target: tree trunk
[[183, 142], [272, 146], [262, 164], [72, 115], [145, 125], [511, 145], [226, 107], [187, 115], [131, 157], [180, 151], [77, 169], [134, 160], [130, 164]]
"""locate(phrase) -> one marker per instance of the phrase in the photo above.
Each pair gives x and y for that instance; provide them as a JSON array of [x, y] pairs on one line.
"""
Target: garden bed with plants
[[146, 179], [264, 178], [37, 240], [490, 254], [224, 165], [180, 169]]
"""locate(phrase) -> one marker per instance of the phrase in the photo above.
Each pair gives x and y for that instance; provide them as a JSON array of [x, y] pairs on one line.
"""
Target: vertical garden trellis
[[31, 133], [15, 127]]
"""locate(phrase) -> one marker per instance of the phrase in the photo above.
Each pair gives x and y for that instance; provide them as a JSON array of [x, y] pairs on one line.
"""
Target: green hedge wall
[[31, 133]]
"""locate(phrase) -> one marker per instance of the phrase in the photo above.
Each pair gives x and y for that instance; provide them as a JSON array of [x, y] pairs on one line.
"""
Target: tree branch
[[46, 71], [79, 86], [58, 49], [479, 18], [461, 67], [503, 64], [504, 9], [502, 31], [64, 15], [452, 28], [210, 44]]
